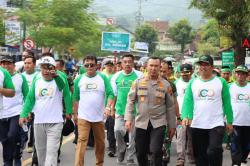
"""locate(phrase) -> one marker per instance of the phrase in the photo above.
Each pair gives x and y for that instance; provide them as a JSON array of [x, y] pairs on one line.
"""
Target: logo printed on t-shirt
[[242, 97], [45, 92], [206, 94], [126, 83], [91, 86]]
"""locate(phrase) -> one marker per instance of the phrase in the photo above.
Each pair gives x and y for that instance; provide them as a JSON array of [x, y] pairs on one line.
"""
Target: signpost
[[109, 21], [115, 42], [28, 44], [228, 59]]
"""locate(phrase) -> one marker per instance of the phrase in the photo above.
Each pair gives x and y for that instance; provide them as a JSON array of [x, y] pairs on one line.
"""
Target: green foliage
[[59, 24], [210, 38], [210, 33], [207, 49], [233, 18], [2, 29], [182, 33], [145, 33]]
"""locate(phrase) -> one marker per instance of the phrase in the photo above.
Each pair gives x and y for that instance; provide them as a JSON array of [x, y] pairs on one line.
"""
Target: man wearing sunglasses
[[90, 90]]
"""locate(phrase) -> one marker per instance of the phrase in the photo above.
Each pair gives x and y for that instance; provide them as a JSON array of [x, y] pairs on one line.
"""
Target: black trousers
[[9, 132], [110, 124], [240, 146], [207, 146], [149, 141]]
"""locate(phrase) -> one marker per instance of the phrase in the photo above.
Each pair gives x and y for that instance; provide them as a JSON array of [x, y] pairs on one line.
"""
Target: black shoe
[[111, 153], [121, 156]]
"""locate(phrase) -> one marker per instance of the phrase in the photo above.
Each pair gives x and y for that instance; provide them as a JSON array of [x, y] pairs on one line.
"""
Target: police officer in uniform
[[153, 98]]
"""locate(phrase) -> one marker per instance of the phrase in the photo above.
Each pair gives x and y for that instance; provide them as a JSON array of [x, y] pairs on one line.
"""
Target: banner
[[12, 32], [228, 59]]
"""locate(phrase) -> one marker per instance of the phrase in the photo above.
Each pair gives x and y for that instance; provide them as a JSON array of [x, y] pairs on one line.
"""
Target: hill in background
[[124, 11]]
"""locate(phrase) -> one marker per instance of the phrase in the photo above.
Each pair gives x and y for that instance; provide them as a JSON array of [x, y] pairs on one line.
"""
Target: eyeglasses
[[87, 65]]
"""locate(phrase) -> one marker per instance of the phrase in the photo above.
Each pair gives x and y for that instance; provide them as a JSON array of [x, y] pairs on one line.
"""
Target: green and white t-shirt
[[12, 106], [121, 84], [181, 88], [67, 95], [90, 92], [45, 99], [240, 99], [5, 82], [30, 77], [206, 102]]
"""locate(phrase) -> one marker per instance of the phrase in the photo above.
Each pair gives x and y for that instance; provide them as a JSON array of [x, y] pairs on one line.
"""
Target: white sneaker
[[248, 156]]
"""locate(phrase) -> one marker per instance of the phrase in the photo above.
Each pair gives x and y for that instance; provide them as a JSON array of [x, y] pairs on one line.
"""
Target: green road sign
[[228, 59], [115, 41]]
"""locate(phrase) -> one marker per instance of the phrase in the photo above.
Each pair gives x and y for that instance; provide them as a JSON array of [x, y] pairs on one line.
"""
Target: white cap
[[48, 60]]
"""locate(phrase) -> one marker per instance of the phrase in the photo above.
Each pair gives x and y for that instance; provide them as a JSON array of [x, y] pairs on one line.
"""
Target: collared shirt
[[154, 102]]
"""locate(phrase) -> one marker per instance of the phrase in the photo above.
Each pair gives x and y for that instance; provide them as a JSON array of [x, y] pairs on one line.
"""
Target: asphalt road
[[68, 153]]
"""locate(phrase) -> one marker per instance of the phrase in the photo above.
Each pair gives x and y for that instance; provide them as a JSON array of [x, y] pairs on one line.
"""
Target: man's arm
[[8, 89], [131, 100], [76, 98], [25, 87], [29, 102], [226, 100], [60, 82], [227, 106], [75, 111], [171, 111]]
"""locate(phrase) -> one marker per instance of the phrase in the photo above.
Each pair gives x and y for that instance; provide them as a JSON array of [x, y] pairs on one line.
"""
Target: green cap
[[225, 69], [206, 59], [241, 68]]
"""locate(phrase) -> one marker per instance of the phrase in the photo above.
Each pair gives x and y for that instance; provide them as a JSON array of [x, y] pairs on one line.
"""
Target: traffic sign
[[115, 41], [28, 44], [109, 21]]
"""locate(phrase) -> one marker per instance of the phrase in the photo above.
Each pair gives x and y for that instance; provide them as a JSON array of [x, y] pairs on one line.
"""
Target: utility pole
[[23, 5], [139, 18]]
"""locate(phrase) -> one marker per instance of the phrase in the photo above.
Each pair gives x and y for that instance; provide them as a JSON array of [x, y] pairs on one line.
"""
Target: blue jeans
[[11, 140]]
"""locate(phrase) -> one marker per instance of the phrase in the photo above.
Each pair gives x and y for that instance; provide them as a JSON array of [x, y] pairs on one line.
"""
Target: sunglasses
[[87, 65]]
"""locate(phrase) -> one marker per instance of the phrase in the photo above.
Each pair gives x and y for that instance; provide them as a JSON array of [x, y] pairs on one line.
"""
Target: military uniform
[[155, 109]]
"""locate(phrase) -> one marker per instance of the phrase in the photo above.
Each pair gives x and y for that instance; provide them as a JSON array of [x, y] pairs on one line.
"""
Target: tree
[[233, 18], [58, 24], [210, 38], [145, 33], [2, 29], [181, 32]]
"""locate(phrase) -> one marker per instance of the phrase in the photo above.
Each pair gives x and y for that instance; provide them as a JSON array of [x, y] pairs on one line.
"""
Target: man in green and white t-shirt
[[183, 140], [45, 100], [90, 90], [206, 101], [240, 98], [6, 86], [29, 69], [29, 73], [121, 83], [10, 131]]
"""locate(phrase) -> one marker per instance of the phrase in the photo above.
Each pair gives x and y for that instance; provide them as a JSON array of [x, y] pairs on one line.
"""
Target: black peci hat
[[68, 128]]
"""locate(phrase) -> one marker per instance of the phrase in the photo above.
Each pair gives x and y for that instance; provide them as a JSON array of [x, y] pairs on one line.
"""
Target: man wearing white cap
[[45, 100]]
